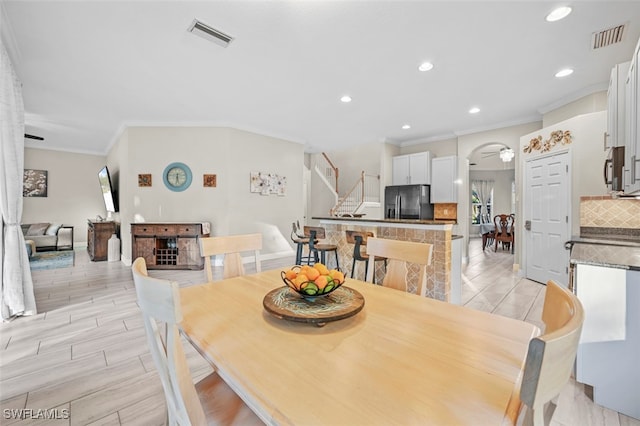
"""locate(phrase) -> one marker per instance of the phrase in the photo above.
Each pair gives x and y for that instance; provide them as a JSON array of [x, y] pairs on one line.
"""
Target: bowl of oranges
[[312, 281]]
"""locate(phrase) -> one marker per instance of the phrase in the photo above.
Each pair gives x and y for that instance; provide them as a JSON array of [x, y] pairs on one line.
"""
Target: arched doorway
[[492, 186]]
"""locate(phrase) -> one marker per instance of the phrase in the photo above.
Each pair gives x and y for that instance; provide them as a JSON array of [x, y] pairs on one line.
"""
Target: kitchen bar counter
[[605, 252], [443, 276], [389, 221]]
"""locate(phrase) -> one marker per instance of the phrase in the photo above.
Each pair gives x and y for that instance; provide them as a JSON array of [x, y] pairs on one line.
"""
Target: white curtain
[[484, 188], [15, 275]]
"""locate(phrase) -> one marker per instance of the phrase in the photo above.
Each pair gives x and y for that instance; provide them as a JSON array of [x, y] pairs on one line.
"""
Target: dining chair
[[398, 254], [230, 246], [359, 241], [211, 400], [550, 357], [504, 230], [316, 233]]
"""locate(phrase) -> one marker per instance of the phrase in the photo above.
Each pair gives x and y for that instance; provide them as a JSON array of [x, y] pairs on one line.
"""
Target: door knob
[[527, 225]]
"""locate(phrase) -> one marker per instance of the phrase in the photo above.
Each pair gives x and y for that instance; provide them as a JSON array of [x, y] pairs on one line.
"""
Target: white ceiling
[[91, 68]]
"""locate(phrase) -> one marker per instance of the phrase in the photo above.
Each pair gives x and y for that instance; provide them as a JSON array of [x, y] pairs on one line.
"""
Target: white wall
[[73, 193], [230, 207], [440, 148], [591, 103]]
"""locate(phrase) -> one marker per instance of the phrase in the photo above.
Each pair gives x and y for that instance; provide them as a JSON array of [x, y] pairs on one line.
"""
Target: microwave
[[614, 169]]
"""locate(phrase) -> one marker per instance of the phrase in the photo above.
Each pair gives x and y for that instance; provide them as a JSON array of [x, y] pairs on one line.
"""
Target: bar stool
[[300, 241], [315, 233], [359, 239]]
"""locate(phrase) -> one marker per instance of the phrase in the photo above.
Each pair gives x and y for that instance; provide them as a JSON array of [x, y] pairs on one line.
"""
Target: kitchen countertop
[[606, 252], [408, 221]]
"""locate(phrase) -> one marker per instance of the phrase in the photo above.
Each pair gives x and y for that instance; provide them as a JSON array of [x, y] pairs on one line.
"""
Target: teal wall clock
[[177, 177]]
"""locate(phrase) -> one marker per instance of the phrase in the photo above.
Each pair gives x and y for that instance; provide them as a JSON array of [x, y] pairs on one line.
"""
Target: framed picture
[[144, 179], [209, 181], [34, 183], [268, 183]]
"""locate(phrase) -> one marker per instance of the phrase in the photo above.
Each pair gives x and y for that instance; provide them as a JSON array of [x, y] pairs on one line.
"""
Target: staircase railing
[[331, 172], [367, 188]]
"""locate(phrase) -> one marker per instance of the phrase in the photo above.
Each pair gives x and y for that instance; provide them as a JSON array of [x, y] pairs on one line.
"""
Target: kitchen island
[[443, 275]]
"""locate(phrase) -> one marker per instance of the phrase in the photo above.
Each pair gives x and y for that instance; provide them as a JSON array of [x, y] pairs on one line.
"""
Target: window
[[477, 215]]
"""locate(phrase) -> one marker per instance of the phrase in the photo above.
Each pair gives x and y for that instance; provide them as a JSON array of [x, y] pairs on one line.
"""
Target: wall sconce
[[507, 154]]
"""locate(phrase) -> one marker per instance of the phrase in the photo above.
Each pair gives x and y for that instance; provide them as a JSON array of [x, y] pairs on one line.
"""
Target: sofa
[[48, 236]]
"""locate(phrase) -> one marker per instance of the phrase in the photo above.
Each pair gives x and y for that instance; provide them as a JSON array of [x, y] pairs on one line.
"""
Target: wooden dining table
[[403, 359]]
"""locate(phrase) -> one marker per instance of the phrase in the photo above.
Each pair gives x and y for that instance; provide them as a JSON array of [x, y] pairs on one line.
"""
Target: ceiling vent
[[203, 30], [607, 37]]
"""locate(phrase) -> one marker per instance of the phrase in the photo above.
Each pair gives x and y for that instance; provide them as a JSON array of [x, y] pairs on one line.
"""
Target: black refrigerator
[[408, 202]]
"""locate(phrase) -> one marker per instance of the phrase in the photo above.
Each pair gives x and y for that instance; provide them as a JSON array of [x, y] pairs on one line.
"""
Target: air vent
[[607, 37], [203, 30]]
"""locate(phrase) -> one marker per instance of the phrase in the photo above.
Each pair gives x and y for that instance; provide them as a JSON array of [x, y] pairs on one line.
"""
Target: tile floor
[[85, 353]]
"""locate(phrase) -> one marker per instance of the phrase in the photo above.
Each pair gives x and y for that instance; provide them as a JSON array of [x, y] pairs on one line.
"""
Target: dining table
[[486, 230], [400, 359]]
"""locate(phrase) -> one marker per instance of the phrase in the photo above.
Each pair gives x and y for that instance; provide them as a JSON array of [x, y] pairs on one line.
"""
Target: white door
[[546, 217]]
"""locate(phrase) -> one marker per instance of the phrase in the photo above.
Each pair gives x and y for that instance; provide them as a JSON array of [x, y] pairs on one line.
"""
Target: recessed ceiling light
[[345, 99], [474, 110], [406, 127], [565, 72], [425, 66], [558, 14]]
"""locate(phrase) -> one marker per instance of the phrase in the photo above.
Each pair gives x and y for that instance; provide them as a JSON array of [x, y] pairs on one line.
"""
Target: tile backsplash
[[445, 211], [607, 212]]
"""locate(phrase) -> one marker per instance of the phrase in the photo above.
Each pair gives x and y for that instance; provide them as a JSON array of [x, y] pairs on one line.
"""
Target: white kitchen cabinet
[[444, 172], [607, 357], [616, 106], [411, 169], [632, 118]]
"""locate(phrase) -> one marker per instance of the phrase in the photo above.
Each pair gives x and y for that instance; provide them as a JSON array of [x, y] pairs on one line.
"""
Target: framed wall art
[[34, 183], [268, 183], [144, 179], [209, 181]]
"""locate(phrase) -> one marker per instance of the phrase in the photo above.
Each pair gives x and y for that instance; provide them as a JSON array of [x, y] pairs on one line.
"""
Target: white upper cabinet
[[632, 118], [444, 172], [411, 169], [616, 106]]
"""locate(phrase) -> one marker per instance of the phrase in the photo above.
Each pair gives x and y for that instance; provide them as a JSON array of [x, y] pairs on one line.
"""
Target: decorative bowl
[[325, 281]]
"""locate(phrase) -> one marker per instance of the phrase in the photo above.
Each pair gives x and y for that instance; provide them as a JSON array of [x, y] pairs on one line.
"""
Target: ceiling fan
[[506, 154]]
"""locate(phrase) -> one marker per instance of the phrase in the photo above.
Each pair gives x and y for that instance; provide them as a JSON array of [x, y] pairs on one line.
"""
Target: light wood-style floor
[[85, 353]]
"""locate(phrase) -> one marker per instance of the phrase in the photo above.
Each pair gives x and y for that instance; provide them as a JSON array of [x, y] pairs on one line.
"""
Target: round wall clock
[[177, 176]]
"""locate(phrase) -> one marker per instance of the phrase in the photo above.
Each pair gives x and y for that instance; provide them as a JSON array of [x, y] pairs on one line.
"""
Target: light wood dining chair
[[551, 356], [398, 254], [210, 401], [230, 246]]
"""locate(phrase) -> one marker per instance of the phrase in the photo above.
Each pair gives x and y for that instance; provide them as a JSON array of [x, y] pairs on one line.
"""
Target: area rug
[[51, 260]]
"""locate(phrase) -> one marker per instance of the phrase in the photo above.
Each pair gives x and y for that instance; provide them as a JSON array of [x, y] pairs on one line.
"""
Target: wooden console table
[[98, 234], [168, 245]]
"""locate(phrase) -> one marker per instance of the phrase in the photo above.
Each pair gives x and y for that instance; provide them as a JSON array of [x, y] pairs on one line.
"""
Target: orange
[[337, 275], [290, 274], [321, 268], [313, 273], [300, 279], [322, 281]]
